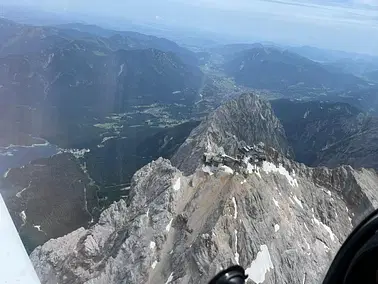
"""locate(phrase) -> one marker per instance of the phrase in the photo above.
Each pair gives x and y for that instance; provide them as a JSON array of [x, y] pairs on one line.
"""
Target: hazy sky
[[347, 25]]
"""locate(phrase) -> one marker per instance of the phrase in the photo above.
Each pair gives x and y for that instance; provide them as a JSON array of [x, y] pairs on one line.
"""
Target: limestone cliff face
[[247, 119], [279, 219]]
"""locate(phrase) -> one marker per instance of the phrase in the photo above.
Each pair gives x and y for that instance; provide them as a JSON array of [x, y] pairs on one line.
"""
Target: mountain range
[[274, 69], [277, 218], [77, 79], [170, 164], [329, 134]]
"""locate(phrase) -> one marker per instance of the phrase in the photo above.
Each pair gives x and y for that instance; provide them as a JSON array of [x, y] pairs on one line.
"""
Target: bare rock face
[[247, 119], [281, 220]]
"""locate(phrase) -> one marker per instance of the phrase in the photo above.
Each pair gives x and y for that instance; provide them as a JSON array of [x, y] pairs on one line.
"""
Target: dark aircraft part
[[232, 275], [356, 261]]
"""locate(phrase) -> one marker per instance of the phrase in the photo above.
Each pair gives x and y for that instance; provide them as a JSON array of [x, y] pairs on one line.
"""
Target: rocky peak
[[282, 220], [277, 218], [246, 120]]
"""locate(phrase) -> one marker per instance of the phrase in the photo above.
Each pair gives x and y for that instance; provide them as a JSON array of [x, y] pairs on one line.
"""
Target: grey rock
[[247, 119], [214, 221], [283, 222]]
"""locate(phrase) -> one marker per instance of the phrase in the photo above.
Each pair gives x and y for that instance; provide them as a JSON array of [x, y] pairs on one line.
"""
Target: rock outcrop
[[280, 219], [248, 119]]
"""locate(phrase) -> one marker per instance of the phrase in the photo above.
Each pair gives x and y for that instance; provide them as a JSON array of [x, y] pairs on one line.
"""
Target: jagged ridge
[[282, 221], [248, 119]]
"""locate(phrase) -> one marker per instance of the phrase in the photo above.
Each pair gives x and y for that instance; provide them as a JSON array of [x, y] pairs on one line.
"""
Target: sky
[[350, 25]]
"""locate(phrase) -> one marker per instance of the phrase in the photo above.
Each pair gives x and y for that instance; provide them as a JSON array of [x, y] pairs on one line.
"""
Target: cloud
[[366, 2]]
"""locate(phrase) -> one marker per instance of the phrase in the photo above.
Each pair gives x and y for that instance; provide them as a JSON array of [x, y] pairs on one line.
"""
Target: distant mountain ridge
[[20, 39], [329, 133], [76, 77], [273, 69]]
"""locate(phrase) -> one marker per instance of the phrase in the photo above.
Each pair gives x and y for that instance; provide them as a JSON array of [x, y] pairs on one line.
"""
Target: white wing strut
[[15, 265]]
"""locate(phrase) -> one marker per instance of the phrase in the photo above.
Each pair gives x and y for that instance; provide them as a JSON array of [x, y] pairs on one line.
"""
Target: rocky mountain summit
[[281, 220], [245, 121]]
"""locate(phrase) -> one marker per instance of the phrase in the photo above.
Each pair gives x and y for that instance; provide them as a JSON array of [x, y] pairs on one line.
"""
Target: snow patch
[[307, 244], [168, 227], [206, 236], [38, 227], [291, 200], [107, 138], [350, 220], [23, 217], [243, 182], [121, 69], [18, 194], [250, 168], [177, 184], [328, 229], [329, 193], [227, 169], [270, 167], [304, 224], [6, 173], [276, 227], [241, 67], [152, 245], [148, 212], [235, 208], [306, 114], [207, 169], [170, 278], [298, 201], [260, 266], [276, 202], [236, 247], [153, 265], [258, 172], [8, 154], [51, 56], [176, 92]]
